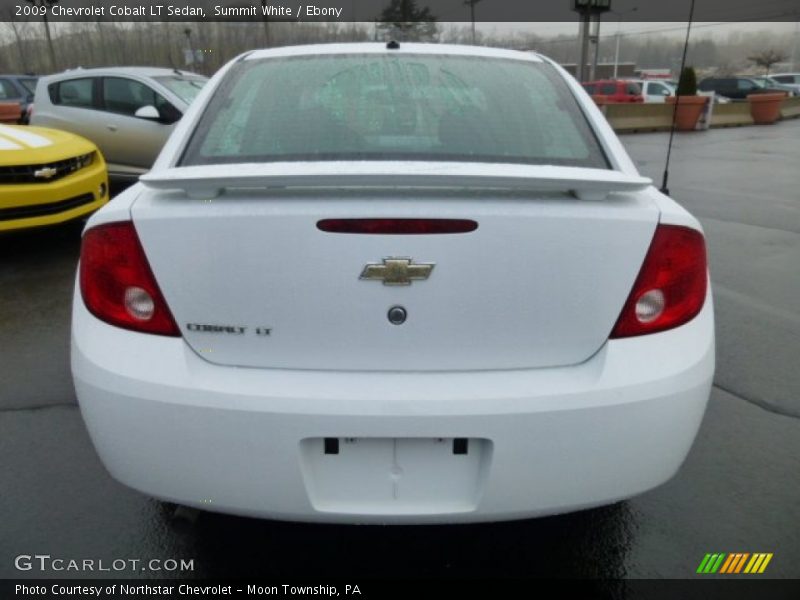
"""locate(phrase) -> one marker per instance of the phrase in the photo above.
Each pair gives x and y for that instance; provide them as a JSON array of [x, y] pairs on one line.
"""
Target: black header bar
[[346, 11]]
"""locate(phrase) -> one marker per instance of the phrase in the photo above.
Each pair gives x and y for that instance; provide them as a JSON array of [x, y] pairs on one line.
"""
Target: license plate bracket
[[395, 475]]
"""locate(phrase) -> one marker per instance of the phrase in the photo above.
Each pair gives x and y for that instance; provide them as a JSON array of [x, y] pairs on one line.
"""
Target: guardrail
[[629, 117], [732, 114], [790, 109], [638, 117]]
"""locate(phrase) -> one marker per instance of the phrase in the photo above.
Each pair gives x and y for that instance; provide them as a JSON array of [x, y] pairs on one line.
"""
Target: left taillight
[[117, 284], [671, 287]]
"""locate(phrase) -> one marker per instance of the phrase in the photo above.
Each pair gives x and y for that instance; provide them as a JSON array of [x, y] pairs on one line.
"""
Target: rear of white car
[[374, 284]]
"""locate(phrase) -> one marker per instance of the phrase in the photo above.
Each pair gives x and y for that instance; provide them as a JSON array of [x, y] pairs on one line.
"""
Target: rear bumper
[[234, 440]]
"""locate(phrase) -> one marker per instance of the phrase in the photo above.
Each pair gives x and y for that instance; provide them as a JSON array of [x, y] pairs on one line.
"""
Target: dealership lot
[[738, 491]]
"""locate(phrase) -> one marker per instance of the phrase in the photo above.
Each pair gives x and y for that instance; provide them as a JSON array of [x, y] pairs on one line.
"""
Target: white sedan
[[393, 283]]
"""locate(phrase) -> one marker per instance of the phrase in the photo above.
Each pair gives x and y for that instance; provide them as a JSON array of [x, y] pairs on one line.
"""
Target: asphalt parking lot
[[739, 490]]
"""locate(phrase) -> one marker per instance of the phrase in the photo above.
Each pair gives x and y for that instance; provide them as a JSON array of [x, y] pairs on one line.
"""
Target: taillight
[[397, 226], [671, 287], [117, 284]]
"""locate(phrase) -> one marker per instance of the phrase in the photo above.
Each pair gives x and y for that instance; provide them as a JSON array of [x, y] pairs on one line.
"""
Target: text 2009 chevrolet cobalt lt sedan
[[393, 283]]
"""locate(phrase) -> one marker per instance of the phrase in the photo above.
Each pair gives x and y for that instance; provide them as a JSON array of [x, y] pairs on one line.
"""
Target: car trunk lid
[[254, 282]]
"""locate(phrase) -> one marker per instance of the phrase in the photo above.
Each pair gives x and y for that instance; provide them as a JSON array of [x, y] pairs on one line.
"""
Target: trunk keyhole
[[397, 315]]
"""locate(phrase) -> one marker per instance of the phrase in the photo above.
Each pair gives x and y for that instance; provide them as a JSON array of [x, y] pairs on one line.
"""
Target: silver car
[[128, 112], [789, 79], [778, 83]]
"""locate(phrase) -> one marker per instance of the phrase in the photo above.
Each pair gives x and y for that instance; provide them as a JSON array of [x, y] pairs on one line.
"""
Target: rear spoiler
[[209, 181]]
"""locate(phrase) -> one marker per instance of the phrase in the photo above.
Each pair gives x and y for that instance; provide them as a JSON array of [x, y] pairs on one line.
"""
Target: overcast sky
[[609, 26]]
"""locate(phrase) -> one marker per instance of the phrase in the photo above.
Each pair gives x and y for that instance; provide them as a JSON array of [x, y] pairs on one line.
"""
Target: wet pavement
[[739, 490]]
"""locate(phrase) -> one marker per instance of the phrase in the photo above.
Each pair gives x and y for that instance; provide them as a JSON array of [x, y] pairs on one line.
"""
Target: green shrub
[[687, 84]]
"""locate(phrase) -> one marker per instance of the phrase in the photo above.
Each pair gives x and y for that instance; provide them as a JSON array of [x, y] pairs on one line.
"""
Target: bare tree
[[767, 58], [15, 28], [23, 48], [46, 4], [726, 69]]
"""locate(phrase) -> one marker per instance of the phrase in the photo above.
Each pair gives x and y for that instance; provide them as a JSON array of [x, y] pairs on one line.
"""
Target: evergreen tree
[[404, 21]]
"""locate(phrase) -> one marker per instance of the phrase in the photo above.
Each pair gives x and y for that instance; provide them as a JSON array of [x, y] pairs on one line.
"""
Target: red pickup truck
[[613, 90]]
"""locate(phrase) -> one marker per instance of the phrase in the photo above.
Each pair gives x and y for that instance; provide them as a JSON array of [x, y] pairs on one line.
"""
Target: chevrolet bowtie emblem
[[397, 271], [45, 173]]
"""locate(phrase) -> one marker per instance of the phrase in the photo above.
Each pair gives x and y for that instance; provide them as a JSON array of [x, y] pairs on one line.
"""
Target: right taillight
[[671, 287], [117, 284]]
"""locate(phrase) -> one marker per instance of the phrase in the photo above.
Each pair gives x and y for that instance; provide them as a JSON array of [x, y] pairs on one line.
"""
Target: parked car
[[10, 113], [128, 112], [654, 90], [20, 89], [48, 177], [771, 83], [615, 90], [736, 88], [790, 79], [393, 283]]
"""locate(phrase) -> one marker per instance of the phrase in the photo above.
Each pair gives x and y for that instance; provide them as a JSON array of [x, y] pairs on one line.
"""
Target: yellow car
[[48, 177]]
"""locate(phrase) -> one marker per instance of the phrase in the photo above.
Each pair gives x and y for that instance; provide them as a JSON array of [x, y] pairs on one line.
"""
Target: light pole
[[267, 36], [587, 8], [596, 41], [580, 71], [620, 14], [471, 4], [191, 55]]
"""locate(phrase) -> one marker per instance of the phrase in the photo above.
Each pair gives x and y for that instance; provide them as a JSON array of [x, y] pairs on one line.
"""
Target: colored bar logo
[[734, 564]]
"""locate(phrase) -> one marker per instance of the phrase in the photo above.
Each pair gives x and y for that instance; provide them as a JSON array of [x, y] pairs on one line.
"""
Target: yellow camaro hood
[[23, 145]]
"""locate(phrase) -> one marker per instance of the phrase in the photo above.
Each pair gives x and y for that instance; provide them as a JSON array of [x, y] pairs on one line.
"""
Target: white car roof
[[99, 71], [404, 48]]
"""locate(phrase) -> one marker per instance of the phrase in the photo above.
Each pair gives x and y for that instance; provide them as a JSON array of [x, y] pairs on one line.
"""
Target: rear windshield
[[394, 107]]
